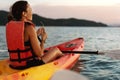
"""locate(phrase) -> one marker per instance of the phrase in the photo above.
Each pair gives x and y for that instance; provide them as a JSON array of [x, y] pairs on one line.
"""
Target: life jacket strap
[[20, 60], [18, 51]]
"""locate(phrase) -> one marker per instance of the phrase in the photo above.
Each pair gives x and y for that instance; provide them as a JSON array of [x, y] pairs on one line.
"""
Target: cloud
[[107, 14], [56, 9]]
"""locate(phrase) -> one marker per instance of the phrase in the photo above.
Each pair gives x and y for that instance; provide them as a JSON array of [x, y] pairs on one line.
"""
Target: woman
[[20, 20]]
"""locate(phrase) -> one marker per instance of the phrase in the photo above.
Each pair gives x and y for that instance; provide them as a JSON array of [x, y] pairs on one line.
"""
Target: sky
[[106, 11]]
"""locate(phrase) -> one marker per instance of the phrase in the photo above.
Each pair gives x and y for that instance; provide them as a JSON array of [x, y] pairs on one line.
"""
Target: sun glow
[[82, 2]]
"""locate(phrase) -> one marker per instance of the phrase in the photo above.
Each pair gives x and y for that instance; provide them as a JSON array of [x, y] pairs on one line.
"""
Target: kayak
[[45, 71]]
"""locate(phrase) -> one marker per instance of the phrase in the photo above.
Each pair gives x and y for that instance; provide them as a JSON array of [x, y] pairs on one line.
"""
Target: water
[[96, 67]]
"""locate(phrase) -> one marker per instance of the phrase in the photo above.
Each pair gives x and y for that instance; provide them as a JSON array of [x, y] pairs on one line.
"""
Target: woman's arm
[[41, 32], [36, 46]]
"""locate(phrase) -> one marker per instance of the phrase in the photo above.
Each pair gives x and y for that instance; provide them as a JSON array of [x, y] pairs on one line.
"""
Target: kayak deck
[[45, 71]]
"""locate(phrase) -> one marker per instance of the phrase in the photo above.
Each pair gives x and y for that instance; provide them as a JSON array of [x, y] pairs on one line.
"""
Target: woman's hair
[[17, 9]]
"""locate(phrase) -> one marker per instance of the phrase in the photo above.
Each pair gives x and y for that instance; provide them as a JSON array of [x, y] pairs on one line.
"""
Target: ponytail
[[10, 17]]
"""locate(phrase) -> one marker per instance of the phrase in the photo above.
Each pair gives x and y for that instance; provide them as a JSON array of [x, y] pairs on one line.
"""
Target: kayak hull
[[45, 71]]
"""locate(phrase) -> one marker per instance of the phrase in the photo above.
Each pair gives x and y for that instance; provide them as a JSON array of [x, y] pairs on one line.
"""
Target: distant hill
[[54, 22], [3, 17]]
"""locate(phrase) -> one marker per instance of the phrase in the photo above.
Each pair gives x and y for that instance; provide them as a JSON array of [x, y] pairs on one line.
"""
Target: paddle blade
[[114, 54]]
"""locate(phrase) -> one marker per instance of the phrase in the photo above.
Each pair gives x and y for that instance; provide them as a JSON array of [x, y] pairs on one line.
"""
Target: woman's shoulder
[[29, 23], [29, 27]]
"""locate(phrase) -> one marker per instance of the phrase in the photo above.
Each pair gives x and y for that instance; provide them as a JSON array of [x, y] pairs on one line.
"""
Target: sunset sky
[[106, 11]]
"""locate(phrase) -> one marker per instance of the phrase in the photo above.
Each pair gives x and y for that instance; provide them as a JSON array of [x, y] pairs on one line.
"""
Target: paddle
[[114, 54]]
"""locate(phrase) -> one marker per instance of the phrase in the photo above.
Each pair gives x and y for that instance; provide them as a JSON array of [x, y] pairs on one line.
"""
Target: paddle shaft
[[78, 52], [81, 52]]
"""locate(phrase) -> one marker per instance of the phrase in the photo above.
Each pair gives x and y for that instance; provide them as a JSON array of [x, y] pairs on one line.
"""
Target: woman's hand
[[43, 35], [41, 32]]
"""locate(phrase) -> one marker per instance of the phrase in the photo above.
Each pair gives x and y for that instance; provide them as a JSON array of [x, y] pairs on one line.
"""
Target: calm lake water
[[96, 67]]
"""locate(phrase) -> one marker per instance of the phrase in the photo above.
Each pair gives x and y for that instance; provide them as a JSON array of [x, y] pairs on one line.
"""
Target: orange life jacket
[[15, 43]]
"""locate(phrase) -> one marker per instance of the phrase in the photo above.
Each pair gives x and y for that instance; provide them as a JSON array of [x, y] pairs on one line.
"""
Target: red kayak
[[44, 72]]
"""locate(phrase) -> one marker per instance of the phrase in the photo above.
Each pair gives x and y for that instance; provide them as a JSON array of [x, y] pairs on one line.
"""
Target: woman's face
[[28, 13]]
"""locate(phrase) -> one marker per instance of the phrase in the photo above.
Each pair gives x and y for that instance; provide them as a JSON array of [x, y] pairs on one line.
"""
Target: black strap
[[39, 39], [18, 50], [24, 59], [19, 60]]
